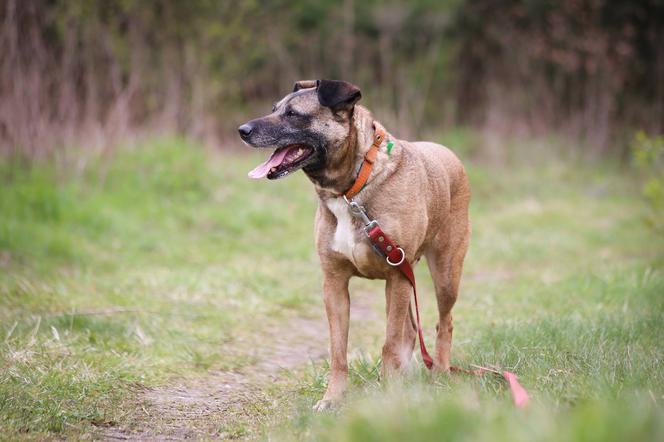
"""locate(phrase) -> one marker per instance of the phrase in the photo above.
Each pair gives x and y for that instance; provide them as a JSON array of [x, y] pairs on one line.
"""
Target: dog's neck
[[340, 171]]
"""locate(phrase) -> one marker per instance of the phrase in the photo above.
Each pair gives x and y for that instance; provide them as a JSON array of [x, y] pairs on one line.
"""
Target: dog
[[418, 192]]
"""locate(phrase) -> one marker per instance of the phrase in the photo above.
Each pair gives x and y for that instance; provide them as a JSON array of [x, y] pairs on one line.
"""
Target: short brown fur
[[419, 193]]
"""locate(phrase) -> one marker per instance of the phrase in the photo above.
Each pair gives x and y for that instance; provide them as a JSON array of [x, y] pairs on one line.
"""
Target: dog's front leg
[[400, 333], [337, 307]]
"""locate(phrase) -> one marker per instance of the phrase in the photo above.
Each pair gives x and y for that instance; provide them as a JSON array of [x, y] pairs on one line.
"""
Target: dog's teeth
[[273, 169]]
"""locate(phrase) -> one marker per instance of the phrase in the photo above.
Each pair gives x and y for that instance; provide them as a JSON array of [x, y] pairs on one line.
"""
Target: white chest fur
[[344, 236]]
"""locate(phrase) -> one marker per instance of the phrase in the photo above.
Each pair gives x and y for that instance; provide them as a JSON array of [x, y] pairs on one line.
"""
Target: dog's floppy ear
[[304, 84], [338, 95]]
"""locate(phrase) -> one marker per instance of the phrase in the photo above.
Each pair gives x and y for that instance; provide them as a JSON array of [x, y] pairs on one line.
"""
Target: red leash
[[382, 244], [396, 257]]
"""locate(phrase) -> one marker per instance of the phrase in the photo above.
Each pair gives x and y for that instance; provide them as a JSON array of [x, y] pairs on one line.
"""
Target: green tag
[[390, 145]]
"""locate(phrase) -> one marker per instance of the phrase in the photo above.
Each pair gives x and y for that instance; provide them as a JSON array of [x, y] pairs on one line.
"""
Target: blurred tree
[[97, 70], [588, 65]]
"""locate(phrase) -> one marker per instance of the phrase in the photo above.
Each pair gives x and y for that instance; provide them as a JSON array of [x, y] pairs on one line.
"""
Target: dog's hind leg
[[337, 308], [445, 260]]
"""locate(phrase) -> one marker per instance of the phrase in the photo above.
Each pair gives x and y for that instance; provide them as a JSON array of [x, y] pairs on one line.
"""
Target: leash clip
[[359, 212]]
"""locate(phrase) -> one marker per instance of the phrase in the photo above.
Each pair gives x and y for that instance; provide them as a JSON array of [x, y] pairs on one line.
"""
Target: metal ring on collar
[[403, 256]]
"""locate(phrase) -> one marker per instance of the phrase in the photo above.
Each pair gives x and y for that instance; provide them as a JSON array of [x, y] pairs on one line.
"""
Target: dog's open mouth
[[282, 161]]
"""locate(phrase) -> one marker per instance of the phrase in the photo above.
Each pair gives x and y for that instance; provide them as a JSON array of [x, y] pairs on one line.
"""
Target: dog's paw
[[325, 404]]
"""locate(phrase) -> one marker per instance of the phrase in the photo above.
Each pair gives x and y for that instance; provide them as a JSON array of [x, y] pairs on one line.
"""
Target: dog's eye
[[290, 113]]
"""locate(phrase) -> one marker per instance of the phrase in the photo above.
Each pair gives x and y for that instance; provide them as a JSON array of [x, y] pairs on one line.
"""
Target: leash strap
[[367, 165], [396, 257], [520, 396], [382, 244]]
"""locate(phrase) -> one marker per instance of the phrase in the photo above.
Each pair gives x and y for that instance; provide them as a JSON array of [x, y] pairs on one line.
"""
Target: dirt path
[[203, 407]]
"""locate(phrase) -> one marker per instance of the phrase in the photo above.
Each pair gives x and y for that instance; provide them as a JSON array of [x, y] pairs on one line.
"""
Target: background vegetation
[[135, 302], [94, 71]]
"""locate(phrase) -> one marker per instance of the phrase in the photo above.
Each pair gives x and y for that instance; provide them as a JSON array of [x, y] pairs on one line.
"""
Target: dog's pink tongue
[[262, 170]]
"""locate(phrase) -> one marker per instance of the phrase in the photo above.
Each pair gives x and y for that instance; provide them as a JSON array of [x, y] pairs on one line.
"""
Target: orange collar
[[367, 165]]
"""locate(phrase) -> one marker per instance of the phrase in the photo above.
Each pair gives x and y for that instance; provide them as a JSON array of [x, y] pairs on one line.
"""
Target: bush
[[649, 159]]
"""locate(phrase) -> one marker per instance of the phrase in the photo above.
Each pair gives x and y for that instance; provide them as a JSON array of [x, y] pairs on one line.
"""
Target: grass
[[164, 261]]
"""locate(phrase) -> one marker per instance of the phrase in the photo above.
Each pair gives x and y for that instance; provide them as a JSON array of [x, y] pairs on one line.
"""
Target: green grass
[[164, 261]]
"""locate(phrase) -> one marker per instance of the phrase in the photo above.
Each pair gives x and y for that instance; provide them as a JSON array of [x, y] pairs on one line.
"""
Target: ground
[[155, 292]]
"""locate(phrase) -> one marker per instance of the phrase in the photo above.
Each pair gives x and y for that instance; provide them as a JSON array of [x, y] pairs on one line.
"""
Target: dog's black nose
[[245, 130]]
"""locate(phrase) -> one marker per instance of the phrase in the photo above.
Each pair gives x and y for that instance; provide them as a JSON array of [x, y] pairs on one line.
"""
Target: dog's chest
[[345, 236]]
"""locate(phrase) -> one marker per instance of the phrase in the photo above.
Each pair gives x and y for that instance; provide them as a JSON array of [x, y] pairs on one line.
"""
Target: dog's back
[[436, 156]]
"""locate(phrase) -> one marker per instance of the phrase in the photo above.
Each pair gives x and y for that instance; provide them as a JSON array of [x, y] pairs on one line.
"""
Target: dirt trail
[[202, 407]]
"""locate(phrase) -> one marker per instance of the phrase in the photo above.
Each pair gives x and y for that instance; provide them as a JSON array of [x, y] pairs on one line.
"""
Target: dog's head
[[304, 127]]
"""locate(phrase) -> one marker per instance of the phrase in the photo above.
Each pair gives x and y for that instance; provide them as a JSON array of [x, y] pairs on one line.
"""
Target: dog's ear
[[304, 84], [338, 95]]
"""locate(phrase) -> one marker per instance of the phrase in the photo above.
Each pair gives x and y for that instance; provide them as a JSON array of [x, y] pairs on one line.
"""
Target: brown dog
[[417, 191]]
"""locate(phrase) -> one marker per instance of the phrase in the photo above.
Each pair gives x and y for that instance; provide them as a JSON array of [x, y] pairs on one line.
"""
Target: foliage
[[79, 70], [649, 157]]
